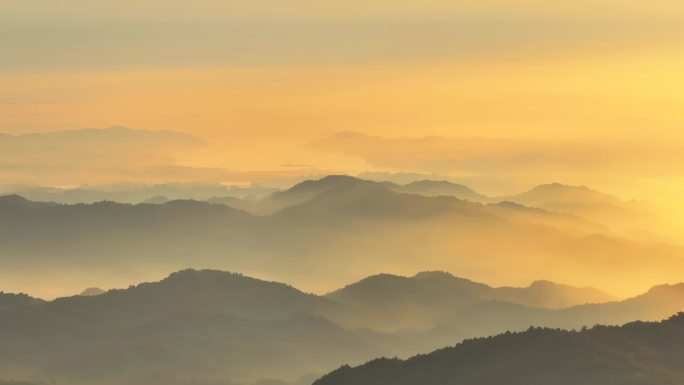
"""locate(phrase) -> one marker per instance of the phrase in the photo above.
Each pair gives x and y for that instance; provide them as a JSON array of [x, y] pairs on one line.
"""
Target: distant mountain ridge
[[554, 197], [19, 201], [136, 193], [308, 190], [390, 303], [445, 282], [370, 225]]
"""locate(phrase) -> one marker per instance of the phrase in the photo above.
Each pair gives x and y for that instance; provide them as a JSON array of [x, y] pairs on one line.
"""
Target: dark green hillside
[[635, 354]]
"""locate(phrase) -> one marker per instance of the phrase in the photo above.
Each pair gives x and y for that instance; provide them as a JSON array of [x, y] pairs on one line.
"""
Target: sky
[[580, 92]]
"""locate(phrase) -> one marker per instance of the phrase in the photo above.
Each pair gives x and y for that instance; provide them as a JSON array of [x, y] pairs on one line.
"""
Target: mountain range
[[227, 328], [341, 228]]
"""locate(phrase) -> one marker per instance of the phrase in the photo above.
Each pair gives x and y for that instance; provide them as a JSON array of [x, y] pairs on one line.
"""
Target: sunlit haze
[[428, 171]]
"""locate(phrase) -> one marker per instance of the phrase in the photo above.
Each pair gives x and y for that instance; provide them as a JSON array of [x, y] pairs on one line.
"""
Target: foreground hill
[[635, 354]]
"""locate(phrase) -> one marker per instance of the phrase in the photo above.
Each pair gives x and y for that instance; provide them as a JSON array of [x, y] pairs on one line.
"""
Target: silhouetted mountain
[[137, 193], [193, 324], [218, 326], [557, 193], [191, 290], [310, 189], [658, 302], [353, 199], [9, 301], [16, 201], [369, 224], [344, 227], [393, 303], [444, 188], [551, 295], [369, 200], [635, 354], [445, 307], [92, 291], [626, 217], [390, 302]]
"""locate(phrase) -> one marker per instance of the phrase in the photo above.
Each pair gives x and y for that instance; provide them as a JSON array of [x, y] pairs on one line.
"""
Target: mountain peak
[[19, 201], [666, 289], [559, 190], [322, 184], [543, 283], [91, 292], [14, 199], [433, 274], [339, 178]]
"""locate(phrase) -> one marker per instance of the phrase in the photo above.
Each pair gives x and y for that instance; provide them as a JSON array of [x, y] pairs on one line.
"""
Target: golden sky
[[260, 80], [500, 95]]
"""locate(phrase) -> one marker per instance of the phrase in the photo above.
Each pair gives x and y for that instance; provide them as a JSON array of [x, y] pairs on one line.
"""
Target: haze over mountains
[[262, 192], [138, 193], [225, 328], [114, 156], [210, 327], [341, 228]]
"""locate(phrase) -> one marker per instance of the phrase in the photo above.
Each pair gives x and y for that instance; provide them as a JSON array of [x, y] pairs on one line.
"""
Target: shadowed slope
[[635, 354], [217, 325]]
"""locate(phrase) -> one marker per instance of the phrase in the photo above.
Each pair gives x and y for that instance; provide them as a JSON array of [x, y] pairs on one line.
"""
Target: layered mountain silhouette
[[634, 354], [339, 227], [228, 328], [446, 188], [139, 193], [425, 300], [308, 190], [631, 218], [193, 324]]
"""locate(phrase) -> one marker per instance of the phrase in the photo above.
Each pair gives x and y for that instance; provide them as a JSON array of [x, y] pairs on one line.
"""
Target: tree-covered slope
[[635, 354]]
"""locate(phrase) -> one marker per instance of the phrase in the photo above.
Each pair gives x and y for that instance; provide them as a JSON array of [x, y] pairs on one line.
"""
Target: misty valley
[[390, 308], [341, 192]]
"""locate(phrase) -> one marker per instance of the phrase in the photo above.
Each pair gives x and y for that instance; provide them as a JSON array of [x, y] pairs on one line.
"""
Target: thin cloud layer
[[75, 156], [496, 156]]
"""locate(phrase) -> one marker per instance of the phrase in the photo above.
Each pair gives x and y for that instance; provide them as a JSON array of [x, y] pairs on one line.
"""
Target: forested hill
[[635, 354]]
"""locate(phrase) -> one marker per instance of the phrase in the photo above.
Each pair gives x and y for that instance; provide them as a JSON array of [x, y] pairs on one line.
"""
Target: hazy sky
[[259, 80]]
